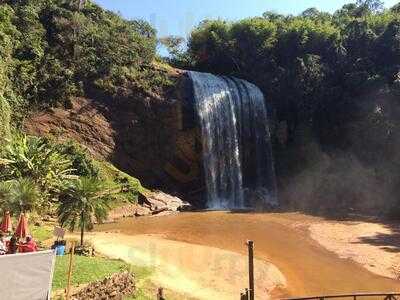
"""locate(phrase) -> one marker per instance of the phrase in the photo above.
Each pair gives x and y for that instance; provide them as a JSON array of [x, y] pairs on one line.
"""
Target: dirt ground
[[311, 253], [375, 246], [196, 271]]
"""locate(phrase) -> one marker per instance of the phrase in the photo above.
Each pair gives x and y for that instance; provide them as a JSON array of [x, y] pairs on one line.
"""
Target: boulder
[[141, 211], [128, 211], [152, 203], [159, 202]]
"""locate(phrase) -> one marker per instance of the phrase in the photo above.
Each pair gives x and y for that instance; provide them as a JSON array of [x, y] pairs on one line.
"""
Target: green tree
[[315, 14], [173, 44], [396, 8], [82, 163], [252, 42], [273, 16], [368, 6], [387, 49], [210, 46], [84, 201], [35, 158], [24, 196]]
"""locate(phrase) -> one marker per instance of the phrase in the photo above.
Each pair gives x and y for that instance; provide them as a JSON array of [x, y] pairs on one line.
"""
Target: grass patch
[[142, 275], [140, 295], [42, 233], [130, 186], [86, 270], [90, 269]]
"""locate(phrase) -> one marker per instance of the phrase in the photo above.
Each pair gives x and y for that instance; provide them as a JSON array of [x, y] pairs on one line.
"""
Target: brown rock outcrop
[[152, 138]]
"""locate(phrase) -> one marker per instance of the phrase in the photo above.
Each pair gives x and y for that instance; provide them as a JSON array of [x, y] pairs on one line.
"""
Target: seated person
[[28, 246], [12, 245], [3, 247]]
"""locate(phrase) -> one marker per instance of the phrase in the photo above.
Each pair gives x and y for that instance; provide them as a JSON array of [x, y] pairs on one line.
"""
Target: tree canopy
[[52, 50]]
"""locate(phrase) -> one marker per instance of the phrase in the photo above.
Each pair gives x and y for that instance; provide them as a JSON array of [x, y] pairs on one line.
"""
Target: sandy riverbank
[[296, 244], [199, 272], [375, 246]]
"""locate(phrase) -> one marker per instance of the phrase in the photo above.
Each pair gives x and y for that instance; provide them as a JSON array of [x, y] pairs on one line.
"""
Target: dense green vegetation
[[332, 84], [52, 50], [130, 186], [40, 176], [42, 233]]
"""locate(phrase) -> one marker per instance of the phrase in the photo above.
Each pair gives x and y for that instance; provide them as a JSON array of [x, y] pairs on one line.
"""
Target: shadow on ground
[[388, 242]]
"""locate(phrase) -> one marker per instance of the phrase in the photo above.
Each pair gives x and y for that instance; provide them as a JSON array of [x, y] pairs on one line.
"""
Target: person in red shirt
[[12, 245], [28, 246]]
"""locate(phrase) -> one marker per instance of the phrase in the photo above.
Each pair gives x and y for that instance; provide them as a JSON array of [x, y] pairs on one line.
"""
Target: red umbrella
[[22, 228], [6, 225]]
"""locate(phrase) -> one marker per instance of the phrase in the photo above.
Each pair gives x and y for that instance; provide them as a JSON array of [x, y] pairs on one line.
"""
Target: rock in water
[[159, 202]]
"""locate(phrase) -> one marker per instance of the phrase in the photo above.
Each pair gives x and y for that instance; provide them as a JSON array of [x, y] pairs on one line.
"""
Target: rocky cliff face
[[150, 137]]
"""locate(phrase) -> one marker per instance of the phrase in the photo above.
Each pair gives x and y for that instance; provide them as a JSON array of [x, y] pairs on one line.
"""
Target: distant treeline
[[333, 85]]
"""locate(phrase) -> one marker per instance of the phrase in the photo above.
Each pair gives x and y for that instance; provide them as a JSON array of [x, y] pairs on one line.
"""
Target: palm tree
[[20, 196], [84, 200]]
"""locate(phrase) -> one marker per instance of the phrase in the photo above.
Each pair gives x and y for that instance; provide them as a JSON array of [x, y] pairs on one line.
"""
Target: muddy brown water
[[308, 268]]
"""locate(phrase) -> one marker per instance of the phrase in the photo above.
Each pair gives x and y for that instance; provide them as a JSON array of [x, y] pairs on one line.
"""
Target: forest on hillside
[[52, 50], [331, 81]]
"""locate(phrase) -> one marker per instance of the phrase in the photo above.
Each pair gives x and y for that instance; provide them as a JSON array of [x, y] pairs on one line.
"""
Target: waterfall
[[237, 154]]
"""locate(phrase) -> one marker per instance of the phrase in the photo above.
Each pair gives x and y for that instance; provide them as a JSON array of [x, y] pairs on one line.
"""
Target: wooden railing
[[382, 296]]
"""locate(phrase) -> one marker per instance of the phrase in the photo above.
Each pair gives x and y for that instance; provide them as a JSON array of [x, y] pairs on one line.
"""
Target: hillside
[[82, 73], [55, 50]]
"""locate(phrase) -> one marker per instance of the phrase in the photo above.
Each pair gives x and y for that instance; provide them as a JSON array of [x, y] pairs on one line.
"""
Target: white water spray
[[237, 154]]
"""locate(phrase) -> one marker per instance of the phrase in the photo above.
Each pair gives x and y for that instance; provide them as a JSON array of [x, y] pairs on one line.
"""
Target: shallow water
[[309, 269]]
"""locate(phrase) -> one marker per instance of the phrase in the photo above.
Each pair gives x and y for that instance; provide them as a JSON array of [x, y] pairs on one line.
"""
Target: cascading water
[[237, 154]]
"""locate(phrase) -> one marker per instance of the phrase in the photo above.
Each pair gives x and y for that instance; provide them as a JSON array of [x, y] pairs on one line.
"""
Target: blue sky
[[178, 17]]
